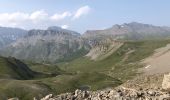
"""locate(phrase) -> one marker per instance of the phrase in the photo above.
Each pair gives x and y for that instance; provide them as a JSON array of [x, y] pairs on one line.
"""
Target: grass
[[93, 81], [45, 68], [74, 55], [23, 89]]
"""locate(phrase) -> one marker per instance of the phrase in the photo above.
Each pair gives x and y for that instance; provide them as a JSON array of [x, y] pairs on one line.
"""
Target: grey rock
[[166, 82], [14, 98], [48, 97]]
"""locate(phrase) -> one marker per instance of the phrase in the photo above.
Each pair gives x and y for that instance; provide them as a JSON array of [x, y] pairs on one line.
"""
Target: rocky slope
[[103, 49], [142, 90], [113, 94], [51, 45], [9, 35]]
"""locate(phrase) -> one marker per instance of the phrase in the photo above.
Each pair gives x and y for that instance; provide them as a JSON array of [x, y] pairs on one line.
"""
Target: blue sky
[[82, 15]]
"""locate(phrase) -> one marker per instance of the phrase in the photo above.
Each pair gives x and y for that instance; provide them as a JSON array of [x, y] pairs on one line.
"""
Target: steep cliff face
[[51, 45]]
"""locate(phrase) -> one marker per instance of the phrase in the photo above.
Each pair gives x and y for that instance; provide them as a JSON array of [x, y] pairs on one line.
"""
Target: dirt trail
[[159, 62]]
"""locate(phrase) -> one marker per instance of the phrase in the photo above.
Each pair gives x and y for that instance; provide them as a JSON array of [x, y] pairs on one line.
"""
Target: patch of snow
[[148, 66]]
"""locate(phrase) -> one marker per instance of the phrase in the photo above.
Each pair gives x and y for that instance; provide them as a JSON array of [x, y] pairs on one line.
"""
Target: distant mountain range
[[56, 44], [9, 35]]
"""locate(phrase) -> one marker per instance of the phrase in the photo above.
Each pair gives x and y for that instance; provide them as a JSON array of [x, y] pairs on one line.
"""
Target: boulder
[[166, 82], [14, 98], [47, 97]]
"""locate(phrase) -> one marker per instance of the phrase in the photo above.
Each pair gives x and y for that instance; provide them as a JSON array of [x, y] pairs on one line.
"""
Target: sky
[[82, 15]]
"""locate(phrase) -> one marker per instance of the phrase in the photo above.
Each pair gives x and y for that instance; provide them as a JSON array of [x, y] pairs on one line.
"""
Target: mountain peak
[[54, 28]]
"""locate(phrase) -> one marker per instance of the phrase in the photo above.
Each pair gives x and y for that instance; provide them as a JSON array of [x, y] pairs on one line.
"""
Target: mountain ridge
[[132, 31]]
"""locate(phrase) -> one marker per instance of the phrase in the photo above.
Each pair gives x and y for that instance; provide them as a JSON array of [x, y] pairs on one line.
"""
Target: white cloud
[[40, 18], [62, 16], [64, 26], [20, 18], [82, 11], [13, 19]]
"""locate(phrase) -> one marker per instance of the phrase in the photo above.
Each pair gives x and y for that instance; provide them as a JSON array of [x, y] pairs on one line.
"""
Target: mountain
[[130, 31], [101, 60], [51, 45], [9, 35], [56, 44]]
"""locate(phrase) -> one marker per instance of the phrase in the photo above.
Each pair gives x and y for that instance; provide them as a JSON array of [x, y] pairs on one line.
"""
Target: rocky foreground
[[113, 94]]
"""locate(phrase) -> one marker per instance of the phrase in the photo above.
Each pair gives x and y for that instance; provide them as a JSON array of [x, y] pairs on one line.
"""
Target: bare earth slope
[[159, 62]]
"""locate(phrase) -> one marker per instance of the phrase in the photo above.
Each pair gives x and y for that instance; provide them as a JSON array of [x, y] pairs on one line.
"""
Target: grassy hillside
[[81, 73], [14, 69], [122, 64], [23, 89], [18, 80], [15, 75]]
